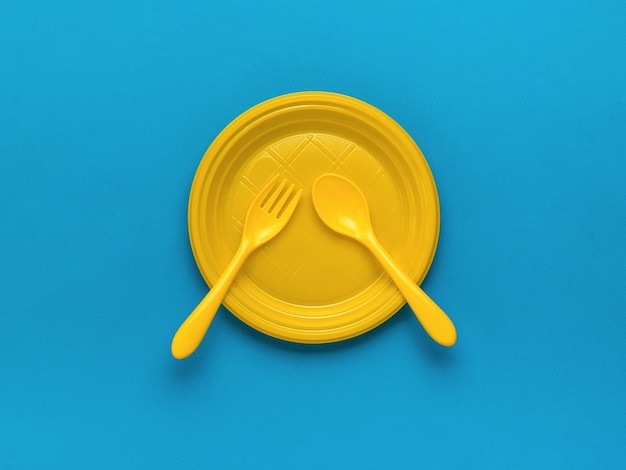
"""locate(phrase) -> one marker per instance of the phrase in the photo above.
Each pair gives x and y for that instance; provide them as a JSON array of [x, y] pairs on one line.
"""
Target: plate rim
[[238, 125]]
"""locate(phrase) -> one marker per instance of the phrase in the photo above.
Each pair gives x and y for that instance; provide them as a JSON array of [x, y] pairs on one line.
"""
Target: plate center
[[308, 264]]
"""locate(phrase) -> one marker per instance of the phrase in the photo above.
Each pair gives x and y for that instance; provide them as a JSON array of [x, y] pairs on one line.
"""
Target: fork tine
[[264, 192], [281, 202], [287, 211], [271, 200]]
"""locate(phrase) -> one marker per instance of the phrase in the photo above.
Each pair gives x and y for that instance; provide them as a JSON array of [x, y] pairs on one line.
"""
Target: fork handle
[[190, 334]]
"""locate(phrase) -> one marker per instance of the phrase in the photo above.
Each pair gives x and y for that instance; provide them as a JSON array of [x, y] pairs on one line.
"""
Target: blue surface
[[106, 109]]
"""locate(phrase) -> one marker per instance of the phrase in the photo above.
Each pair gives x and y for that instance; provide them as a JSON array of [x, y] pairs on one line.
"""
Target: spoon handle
[[434, 320], [190, 334]]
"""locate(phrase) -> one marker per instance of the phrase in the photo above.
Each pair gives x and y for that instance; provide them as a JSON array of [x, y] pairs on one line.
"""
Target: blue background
[[106, 109]]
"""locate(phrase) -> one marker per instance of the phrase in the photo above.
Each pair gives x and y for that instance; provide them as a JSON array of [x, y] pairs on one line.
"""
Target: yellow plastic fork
[[268, 214]]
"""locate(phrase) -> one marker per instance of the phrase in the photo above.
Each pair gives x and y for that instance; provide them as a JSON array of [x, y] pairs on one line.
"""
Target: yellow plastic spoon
[[342, 206]]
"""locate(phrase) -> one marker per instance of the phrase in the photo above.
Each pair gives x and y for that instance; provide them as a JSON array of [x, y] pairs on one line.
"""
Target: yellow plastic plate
[[309, 284]]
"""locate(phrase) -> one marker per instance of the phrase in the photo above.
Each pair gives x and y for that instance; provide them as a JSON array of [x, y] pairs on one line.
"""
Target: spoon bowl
[[341, 205]]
